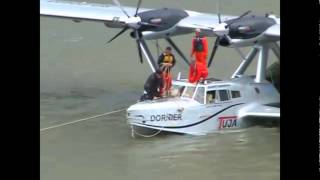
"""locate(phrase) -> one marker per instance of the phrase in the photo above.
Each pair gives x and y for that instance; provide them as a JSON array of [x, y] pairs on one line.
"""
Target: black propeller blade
[[235, 19], [138, 6], [214, 50], [138, 46], [136, 29], [244, 14], [122, 31], [119, 5], [218, 10]]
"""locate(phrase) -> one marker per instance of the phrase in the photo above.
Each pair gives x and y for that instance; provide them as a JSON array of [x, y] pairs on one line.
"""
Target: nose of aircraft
[[146, 108], [153, 105]]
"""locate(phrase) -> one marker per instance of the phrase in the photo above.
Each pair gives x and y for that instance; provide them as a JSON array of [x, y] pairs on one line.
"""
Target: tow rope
[[133, 132], [80, 120]]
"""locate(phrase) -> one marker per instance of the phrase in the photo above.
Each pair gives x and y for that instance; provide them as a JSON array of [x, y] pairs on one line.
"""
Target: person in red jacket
[[199, 47], [198, 67]]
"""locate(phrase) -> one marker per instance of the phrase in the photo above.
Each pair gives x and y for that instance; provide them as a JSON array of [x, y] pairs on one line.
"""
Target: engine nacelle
[[249, 27]]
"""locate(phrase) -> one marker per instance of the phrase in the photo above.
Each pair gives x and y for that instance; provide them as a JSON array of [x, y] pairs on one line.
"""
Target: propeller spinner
[[222, 30]]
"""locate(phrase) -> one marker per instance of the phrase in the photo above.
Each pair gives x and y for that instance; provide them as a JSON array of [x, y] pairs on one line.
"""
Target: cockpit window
[[188, 92], [223, 95], [200, 95], [211, 97]]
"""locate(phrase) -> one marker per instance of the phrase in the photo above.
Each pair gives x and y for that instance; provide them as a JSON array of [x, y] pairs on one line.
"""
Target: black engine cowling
[[249, 27]]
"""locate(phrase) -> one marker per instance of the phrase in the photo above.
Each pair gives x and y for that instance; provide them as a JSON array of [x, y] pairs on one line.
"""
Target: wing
[[257, 110], [78, 11], [112, 16], [204, 21], [273, 32]]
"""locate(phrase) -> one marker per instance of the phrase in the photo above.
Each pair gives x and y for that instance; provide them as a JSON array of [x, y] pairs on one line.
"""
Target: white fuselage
[[202, 108]]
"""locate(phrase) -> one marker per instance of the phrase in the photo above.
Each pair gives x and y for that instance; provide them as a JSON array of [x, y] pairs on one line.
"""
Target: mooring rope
[[80, 120], [142, 135]]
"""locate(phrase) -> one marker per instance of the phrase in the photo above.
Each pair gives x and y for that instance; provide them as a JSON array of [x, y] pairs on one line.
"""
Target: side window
[[211, 97], [223, 95], [235, 94], [200, 95]]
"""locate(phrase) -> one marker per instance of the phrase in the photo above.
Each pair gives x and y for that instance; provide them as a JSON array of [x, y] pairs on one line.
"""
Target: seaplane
[[211, 105]]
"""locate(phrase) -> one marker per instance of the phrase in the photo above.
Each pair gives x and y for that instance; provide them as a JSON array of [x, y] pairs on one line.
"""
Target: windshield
[[188, 92], [176, 90], [200, 95]]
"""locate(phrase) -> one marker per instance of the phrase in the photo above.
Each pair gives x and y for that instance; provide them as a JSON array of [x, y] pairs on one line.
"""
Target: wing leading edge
[[85, 11], [114, 17]]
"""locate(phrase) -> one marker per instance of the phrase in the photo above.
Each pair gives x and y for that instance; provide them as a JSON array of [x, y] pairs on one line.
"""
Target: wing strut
[[153, 65], [214, 50], [246, 62], [262, 63], [276, 49]]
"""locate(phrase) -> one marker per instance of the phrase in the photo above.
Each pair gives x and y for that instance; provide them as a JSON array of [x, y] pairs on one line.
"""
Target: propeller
[[244, 14], [235, 19], [218, 11], [138, 6], [133, 22], [119, 5], [138, 46], [224, 36], [119, 33], [217, 29]]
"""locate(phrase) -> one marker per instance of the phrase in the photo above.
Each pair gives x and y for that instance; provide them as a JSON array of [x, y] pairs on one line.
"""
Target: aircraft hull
[[184, 116]]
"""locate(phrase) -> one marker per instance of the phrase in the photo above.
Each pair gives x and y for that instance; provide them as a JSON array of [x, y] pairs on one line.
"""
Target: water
[[81, 76]]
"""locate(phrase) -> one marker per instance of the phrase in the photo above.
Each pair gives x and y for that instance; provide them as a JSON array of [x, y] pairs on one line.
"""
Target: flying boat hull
[[182, 115]]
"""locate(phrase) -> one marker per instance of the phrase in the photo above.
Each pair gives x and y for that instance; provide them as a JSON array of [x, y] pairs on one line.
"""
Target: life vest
[[198, 44], [167, 58]]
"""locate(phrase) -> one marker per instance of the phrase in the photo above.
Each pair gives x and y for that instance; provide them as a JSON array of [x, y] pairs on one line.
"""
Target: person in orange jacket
[[199, 47], [198, 68], [198, 71]]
